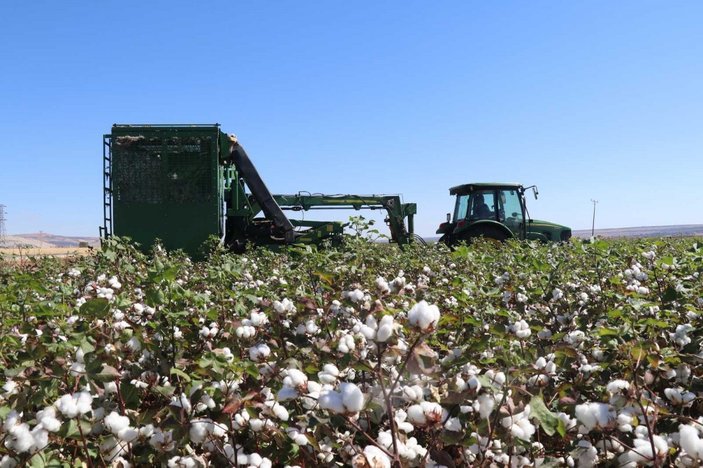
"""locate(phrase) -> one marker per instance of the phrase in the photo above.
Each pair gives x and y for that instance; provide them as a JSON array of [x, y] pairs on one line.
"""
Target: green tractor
[[496, 211]]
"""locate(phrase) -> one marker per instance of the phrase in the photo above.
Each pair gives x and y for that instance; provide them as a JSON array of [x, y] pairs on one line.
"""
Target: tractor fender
[[538, 236]]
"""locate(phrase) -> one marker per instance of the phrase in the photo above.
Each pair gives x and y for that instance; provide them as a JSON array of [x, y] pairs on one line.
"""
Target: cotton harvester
[[184, 183]]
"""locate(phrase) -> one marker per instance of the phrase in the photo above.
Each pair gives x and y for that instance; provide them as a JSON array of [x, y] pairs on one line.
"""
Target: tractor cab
[[496, 211]]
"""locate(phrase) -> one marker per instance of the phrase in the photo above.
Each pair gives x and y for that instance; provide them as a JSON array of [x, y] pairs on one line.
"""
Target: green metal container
[[166, 183]]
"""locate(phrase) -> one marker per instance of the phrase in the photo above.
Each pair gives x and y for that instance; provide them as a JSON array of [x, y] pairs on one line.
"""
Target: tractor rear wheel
[[487, 232]]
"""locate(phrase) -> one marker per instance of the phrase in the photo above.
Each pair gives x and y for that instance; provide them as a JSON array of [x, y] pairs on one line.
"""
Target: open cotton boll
[[332, 401], [519, 424], [114, 422], [328, 374], [294, 378], [260, 352], [641, 452], [595, 415], [690, 442], [352, 397], [484, 404], [424, 316], [128, 434], [382, 285], [372, 457], [298, 437], [356, 295], [68, 406], [47, 419], [385, 329], [678, 396]]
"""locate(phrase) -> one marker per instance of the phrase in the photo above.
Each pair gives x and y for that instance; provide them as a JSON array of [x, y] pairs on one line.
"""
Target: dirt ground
[[17, 253]]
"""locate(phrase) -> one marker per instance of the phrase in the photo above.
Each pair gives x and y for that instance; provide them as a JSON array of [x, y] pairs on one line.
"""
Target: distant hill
[[681, 230], [48, 240]]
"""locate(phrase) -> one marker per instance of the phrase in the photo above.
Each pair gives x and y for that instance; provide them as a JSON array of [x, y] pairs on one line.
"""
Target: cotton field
[[521, 355]]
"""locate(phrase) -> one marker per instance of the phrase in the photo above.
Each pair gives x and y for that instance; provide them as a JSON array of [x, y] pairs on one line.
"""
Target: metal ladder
[[106, 228]]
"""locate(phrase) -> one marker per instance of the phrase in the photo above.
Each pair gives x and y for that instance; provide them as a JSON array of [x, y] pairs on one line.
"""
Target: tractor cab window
[[462, 203], [510, 209], [482, 205]]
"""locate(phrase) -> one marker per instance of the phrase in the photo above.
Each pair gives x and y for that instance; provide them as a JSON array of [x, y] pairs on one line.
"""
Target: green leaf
[[95, 308], [180, 373], [548, 420], [107, 374], [155, 297]]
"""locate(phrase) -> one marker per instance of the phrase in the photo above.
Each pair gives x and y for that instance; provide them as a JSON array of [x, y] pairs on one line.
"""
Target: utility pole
[[2, 225], [593, 223]]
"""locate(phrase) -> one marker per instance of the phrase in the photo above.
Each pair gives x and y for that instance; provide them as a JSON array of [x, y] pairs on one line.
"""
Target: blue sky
[[588, 100]]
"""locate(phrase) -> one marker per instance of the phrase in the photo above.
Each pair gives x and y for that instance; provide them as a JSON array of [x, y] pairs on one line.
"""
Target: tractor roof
[[468, 188]]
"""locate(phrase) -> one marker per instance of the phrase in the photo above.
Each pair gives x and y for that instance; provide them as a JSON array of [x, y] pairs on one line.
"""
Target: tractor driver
[[481, 210]]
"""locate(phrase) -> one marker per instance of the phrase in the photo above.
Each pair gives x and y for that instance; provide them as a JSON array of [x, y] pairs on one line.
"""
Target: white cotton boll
[[41, 438], [355, 296], [134, 344], [521, 329], [519, 424], [295, 378], [84, 400], [453, 424], [331, 400], [382, 285], [587, 454], [540, 363], [114, 422], [385, 329], [47, 419], [690, 442], [624, 422], [283, 307], [352, 397], [474, 384], [22, 440], [246, 331], [328, 374], [182, 401], [259, 352], [496, 378], [258, 318], [280, 412], [413, 393], [298, 437], [128, 434], [67, 406], [199, 430], [146, 431], [346, 344], [416, 415], [678, 396], [372, 457], [642, 453], [484, 405], [595, 415], [424, 316], [617, 386]]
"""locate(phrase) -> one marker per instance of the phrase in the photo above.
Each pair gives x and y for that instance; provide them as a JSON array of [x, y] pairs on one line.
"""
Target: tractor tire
[[487, 232]]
